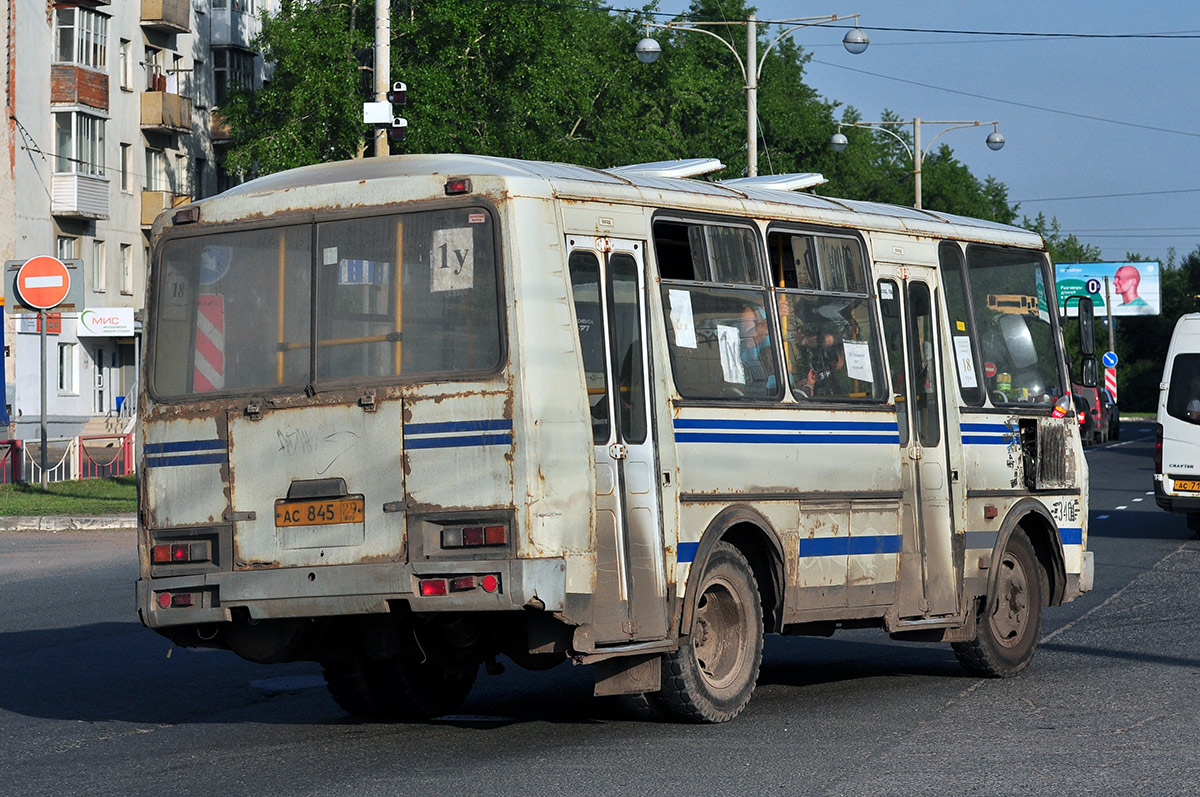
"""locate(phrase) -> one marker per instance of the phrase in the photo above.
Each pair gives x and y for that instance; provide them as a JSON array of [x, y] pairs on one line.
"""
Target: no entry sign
[[42, 283]]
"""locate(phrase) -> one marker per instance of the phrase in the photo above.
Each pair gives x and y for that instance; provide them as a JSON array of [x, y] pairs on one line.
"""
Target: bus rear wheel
[[711, 676], [397, 688], [1010, 622]]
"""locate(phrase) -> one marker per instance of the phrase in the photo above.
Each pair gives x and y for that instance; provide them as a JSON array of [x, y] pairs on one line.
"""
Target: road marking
[[1102, 517], [1138, 499], [1124, 506]]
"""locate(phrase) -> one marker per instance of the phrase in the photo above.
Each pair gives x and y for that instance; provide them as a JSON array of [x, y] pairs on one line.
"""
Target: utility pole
[[383, 68]]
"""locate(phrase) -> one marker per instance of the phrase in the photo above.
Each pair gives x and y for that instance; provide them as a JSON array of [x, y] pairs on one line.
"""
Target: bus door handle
[[618, 451], [914, 452]]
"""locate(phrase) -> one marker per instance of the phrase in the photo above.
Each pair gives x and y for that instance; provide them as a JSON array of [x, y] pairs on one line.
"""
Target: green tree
[[561, 83], [1063, 249], [311, 110]]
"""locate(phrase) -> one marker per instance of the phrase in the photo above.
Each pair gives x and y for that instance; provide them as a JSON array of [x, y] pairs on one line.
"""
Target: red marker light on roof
[[458, 185]]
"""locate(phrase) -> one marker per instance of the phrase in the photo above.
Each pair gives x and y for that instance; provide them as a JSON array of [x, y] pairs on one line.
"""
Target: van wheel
[[1010, 622], [350, 687], [711, 676]]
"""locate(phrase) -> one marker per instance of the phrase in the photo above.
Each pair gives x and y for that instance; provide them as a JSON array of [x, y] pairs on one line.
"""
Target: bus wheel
[[1007, 631], [711, 676], [398, 688], [350, 687], [412, 690]]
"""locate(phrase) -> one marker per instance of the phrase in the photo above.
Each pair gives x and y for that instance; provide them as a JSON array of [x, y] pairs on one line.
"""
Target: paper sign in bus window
[[858, 360], [682, 320], [966, 362], [452, 260], [729, 339]]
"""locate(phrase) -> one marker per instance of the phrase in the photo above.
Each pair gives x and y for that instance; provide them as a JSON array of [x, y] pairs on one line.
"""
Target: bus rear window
[[411, 296]]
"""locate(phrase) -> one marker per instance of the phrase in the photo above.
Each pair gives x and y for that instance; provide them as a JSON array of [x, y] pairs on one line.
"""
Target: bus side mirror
[[1089, 371], [1087, 327]]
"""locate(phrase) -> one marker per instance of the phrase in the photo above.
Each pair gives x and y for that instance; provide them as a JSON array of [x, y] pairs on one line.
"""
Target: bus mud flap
[[628, 675]]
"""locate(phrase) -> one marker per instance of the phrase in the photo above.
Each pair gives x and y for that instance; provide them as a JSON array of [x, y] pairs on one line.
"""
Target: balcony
[[219, 128], [170, 16], [155, 202], [79, 196], [164, 112]]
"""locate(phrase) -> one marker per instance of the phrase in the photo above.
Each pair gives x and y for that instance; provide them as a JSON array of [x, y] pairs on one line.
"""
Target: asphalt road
[[90, 702]]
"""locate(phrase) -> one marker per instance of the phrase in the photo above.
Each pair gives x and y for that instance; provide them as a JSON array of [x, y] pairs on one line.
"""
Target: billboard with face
[[1133, 287]]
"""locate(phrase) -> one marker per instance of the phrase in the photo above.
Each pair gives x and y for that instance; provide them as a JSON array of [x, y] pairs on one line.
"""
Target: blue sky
[[1082, 117]]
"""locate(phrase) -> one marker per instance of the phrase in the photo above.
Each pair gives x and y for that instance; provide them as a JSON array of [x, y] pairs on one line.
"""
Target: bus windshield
[[397, 297]]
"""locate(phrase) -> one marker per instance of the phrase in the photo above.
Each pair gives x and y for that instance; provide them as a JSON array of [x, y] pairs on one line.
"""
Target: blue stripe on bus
[[850, 546], [731, 437], [687, 551], [184, 445], [161, 461], [746, 425], [465, 441], [996, 428], [449, 427], [1071, 536], [977, 440]]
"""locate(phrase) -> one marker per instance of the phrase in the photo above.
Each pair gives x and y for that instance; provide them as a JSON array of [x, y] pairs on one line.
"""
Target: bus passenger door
[[608, 288], [928, 586]]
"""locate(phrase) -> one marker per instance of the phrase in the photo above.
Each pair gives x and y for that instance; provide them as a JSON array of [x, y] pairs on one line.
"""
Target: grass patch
[[78, 498]]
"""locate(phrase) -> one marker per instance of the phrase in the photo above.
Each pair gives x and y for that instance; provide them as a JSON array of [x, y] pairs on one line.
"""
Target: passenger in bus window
[[831, 378], [757, 360]]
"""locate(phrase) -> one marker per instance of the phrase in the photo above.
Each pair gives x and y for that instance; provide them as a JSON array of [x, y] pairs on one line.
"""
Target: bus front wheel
[[1010, 623], [711, 676]]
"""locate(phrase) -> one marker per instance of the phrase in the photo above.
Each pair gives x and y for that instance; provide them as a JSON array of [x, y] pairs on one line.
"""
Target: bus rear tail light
[[474, 536], [178, 553], [177, 600], [435, 587]]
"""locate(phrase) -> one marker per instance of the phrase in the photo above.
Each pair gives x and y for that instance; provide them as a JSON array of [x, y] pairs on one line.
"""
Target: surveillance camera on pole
[[382, 115]]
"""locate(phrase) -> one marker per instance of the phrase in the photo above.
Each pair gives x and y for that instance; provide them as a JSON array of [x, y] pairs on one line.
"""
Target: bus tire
[[350, 686], [1010, 621], [412, 690], [711, 676]]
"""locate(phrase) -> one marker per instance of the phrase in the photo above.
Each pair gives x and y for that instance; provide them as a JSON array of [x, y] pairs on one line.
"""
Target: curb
[[58, 523]]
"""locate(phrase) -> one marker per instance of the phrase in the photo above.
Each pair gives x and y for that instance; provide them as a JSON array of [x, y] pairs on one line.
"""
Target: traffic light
[[399, 94], [398, 128]]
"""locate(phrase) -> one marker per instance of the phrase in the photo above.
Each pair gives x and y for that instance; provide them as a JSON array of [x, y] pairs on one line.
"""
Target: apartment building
[[112, 117]]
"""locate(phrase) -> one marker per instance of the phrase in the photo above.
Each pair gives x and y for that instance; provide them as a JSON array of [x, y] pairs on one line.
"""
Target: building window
[[67, 248], [126, 269], [82, 37], [79, 143], [66, 368], [99, 266], [156, 171], [127, 64], [232, 69], [127, 168]]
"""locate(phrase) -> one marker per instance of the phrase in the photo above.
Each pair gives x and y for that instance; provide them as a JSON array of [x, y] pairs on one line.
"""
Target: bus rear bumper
[[350, 589]]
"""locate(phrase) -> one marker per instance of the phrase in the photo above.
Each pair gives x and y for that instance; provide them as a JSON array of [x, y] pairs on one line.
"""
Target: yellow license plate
[[324, 512], [1187, 486]]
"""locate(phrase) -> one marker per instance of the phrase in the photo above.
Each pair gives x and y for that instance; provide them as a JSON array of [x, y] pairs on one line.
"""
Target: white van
[[1177, 452]]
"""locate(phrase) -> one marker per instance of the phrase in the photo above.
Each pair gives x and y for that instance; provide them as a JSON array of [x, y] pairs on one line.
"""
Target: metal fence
[[67, 458]]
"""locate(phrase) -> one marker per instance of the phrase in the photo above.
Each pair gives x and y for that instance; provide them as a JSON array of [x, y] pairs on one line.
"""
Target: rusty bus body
[[404, 415]]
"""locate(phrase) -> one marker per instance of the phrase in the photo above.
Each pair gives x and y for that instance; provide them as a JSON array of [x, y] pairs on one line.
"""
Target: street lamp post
[[648, 50], [839, 142]]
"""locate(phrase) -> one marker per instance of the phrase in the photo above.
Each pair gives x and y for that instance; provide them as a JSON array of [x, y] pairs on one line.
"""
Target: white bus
[[404, 415]]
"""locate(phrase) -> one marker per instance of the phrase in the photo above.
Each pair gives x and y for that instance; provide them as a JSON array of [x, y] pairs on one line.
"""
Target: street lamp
[[839, 142], [648, 50]]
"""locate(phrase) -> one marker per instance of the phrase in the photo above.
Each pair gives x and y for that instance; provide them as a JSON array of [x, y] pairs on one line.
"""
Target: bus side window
[[585, 290]]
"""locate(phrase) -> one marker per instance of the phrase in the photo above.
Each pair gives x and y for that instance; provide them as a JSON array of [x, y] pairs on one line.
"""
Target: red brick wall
[[74, 84]]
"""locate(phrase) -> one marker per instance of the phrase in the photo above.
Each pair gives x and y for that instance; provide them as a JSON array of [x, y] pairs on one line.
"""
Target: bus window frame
[[1043, 258], [313, 218], [762, 288], [969, 306], [879, 361]]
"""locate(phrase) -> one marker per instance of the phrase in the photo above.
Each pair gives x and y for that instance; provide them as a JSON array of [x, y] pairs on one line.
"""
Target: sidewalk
[[58, 523]]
